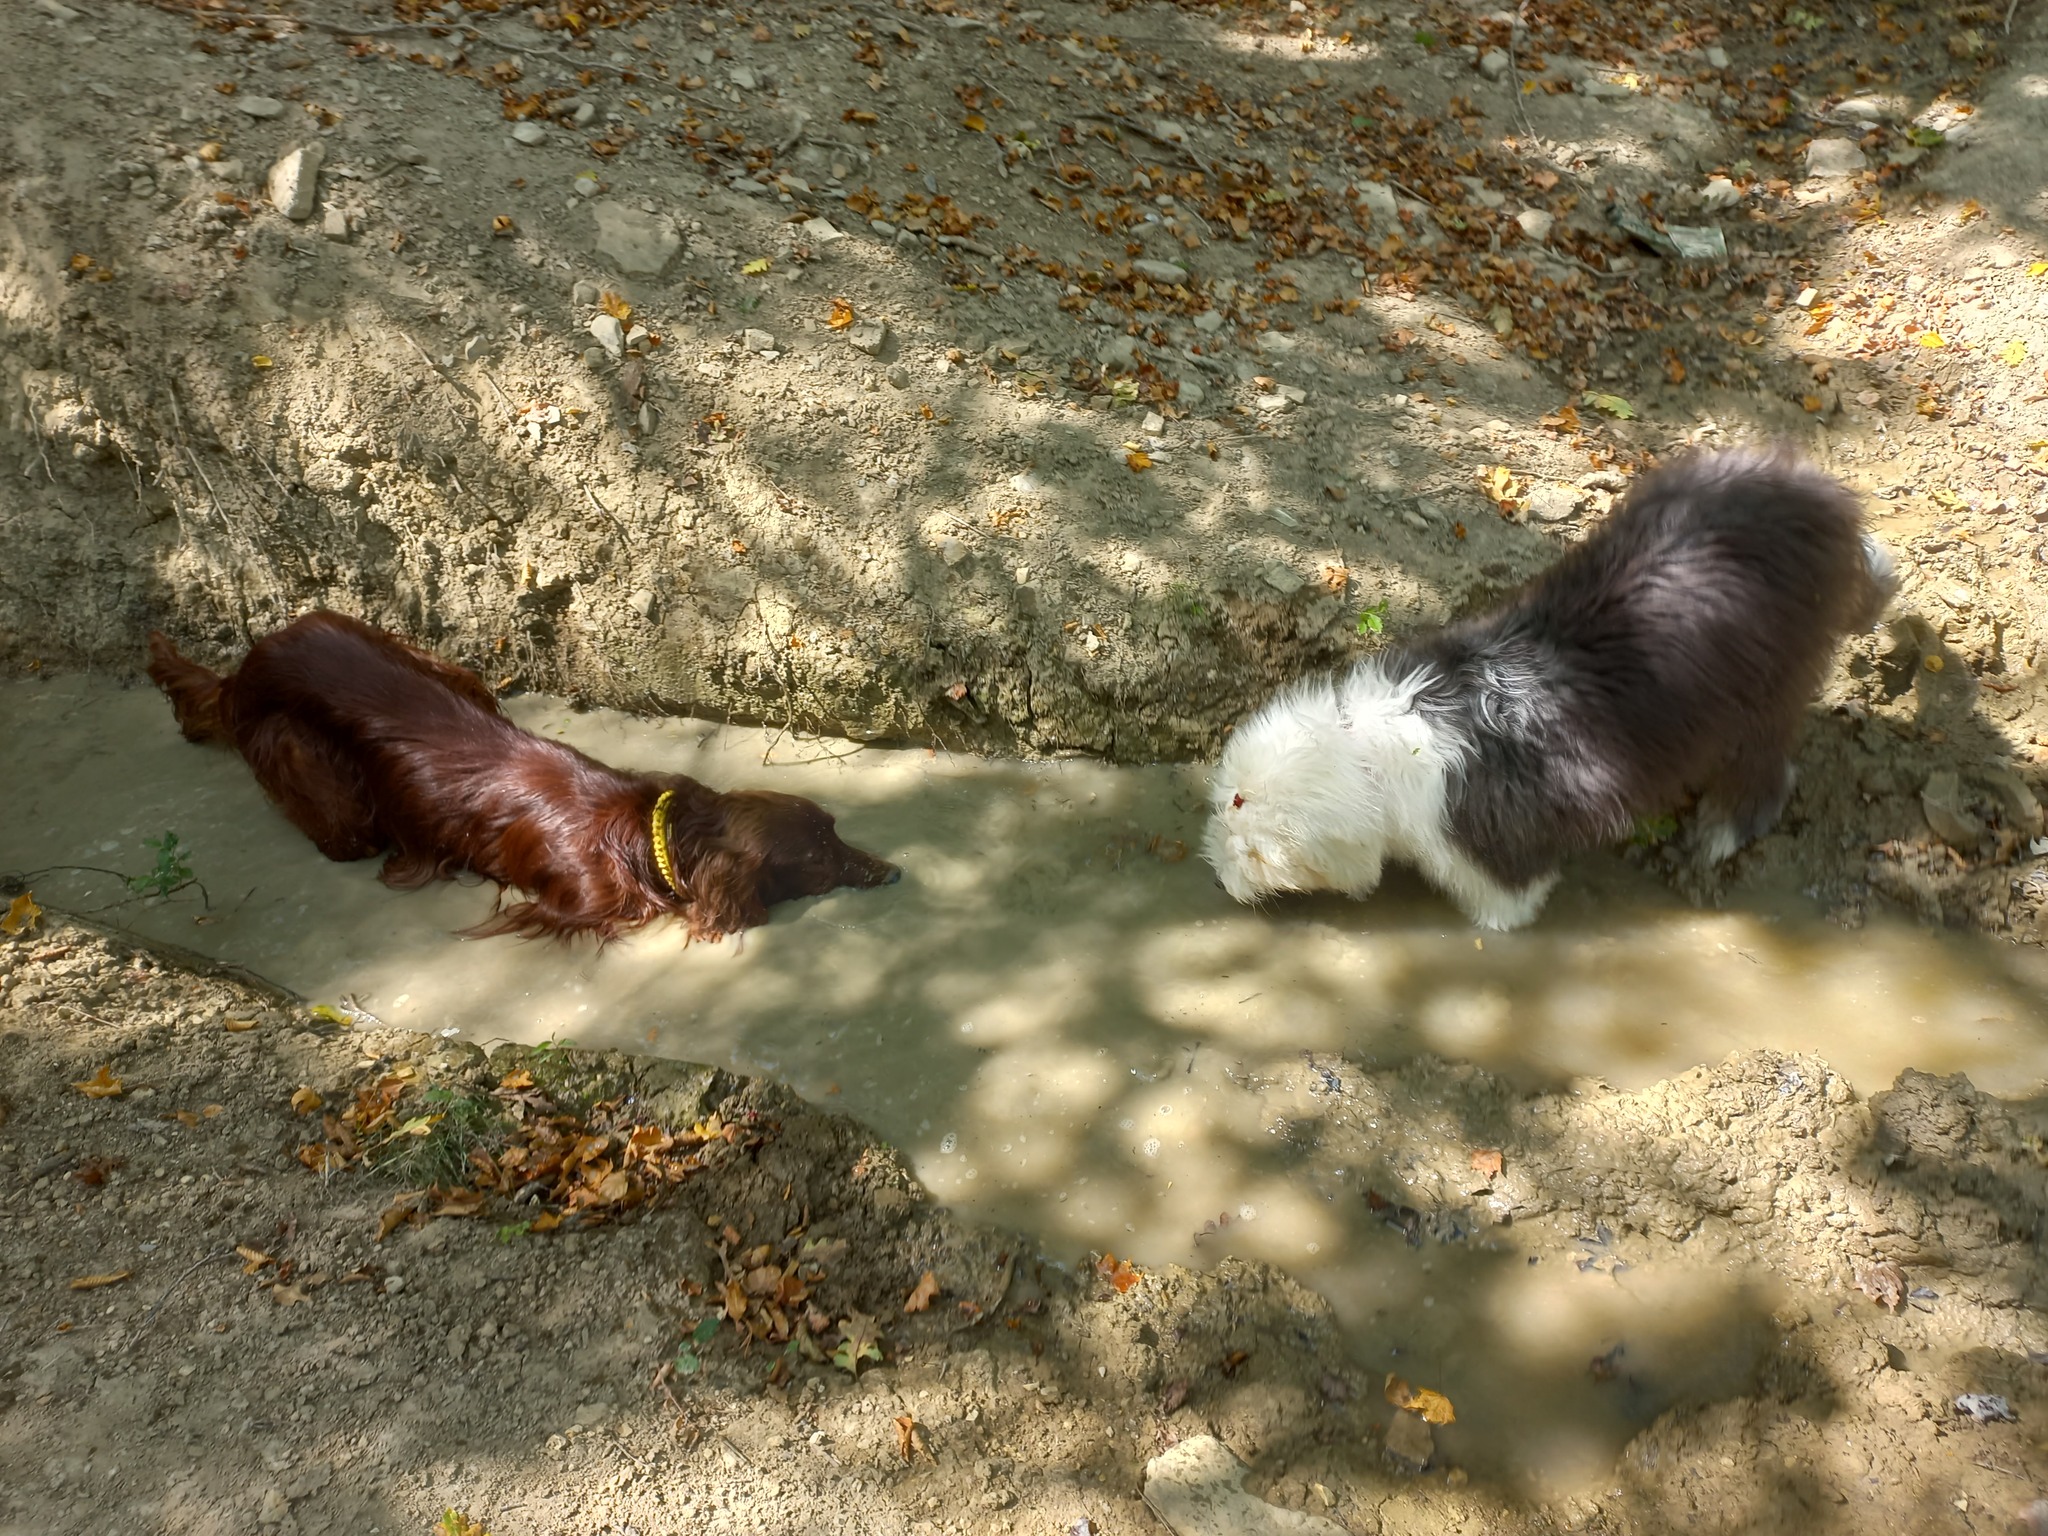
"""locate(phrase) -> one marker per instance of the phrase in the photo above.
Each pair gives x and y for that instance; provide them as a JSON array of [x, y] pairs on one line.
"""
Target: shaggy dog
[[1675, 650], [369, 745]]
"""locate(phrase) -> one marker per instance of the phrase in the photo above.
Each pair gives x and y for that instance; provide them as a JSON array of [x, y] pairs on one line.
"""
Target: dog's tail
[[193, 690], [1881, 583]]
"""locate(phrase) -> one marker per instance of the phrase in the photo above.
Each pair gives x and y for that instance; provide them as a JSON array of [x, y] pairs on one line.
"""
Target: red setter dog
[[369, 745]]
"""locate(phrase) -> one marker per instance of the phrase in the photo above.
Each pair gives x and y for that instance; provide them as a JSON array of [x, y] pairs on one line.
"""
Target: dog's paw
[[1714, 843], [1503, 910]]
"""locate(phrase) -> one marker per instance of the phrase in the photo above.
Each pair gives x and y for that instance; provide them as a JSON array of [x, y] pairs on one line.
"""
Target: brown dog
[[369, 745]]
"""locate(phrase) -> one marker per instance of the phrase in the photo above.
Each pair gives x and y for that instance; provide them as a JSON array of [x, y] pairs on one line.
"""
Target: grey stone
[[262, 108], [1537, 223], [1833, 159], [594, 357], [954, 552], [2017, 806], [1948, 812], [758, 341], [898, 377], [1380, 202], [1409, 1441], [583, 116], [744, 78], [1282, 578], [334, 224], [1552, 502], [1191, 392], [1717, 58], [585, 291], [610, 335], [1493, 63], [1209, 321], [1197, 1489], [642, 602], [1719, 194], [1118, 352], [295, 182], [1159, 271], [409, 154], [638, 244], [824, 231], [868, 336], [529, 134]]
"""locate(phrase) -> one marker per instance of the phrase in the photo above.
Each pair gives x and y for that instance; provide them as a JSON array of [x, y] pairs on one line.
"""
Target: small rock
[[1272, 404], [1986, 1408], [475, 349], [529, 133], [1552, 502], [583, 115], [1027, 598], [409, 154], [746, 79], [586, 184], [610, 335], [1537, 223], [2017, 806], [638, 244], [1191, 392], [1118, 352], [274, 1508], [1493, 63], [1209, 321], [1833, 159], [792, 184], [868, 336], [1153, 423], [758, 341], [898, 376], [1159, 271], [1719, 194], [824, 231], [1282, 578], [334, 224], [1410, 1443], [1948, 812], [642, 602], [57, 10], [262, 108], [1197, 1489], [883, 228], [295, 182], [1717, 58], [585, 291], [954, 552], [594, 358], [1380, 202]]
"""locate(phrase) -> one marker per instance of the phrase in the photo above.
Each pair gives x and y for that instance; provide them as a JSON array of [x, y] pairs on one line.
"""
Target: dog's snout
[[895, 874]]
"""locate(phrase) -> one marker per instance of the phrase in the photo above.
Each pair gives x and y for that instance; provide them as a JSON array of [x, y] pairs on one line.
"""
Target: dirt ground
[[274, 1272], [1038, 379], [1032, 380]]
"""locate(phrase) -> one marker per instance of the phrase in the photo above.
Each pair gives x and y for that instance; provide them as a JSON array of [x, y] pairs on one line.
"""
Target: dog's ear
[[725, 894]]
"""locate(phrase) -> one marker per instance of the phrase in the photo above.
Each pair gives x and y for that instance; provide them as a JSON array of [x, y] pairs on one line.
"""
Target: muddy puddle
[[1073, 1033]]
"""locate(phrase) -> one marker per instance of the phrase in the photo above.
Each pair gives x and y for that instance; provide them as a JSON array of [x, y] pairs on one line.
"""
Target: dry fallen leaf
[[1139, 461], [907, 1437], [1175, 1394], [22, 913], [1118, 1272], [756, 267], [1432, 1407], [238, 1026], [94, 1282], [841, 315], [305, 1100], [922, 1296], [253, 1259], [615, 306], [287, 1295], [502, 227], [101, 1085], [513, 1081], [1487, 1162], [1884, 1283]]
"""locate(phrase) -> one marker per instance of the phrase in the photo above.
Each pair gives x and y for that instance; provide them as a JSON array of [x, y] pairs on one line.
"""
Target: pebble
[[1380, 202], [295, 182], [610, 335], [1493, 63], [1283, 579], [758, 341], [1209, 321], [824, 231], [1717, 58], [260, 107], [593, 357], [334, 225], [643, 603], [639, 244], [1536, 223], [1833, 159], [746, 79], [1552, 502], [1118, 352], [1719, 194], [1191, 392], [1409, 1440], [1196, 1488], [898, 377], [868, 336], [585, 291], [883, 228], [1159, 271], [953, 551], [529, 133]]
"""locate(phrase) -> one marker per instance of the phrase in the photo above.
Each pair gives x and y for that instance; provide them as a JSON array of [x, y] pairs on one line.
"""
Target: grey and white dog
[[1674, 651]]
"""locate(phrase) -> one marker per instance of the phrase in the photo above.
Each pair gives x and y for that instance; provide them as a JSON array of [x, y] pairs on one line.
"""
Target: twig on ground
[[36, 427]]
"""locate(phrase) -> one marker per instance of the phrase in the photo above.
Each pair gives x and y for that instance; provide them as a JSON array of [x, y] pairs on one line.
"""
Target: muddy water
[[1074, 1033]]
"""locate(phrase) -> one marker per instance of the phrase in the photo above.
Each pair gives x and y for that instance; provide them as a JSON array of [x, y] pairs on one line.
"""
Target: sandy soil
[[276, 1272]]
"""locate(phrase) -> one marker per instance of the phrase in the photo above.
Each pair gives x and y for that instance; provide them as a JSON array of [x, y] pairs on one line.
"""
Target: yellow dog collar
[[659, 829]]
